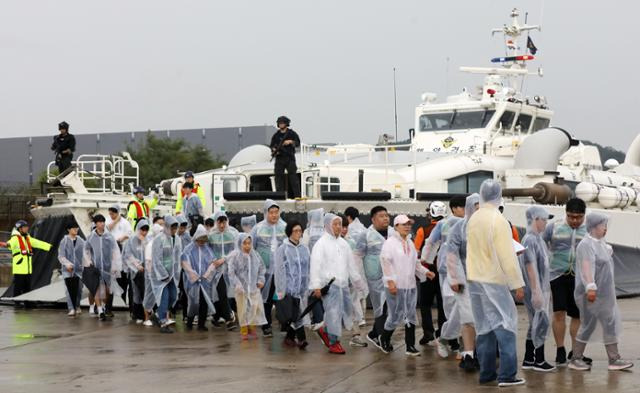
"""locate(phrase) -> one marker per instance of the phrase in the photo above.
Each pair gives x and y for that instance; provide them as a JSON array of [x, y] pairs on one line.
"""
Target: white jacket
[[400, 264]]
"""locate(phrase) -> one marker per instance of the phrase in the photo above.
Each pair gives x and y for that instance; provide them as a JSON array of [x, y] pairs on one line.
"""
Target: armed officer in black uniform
[[283, 148], [64, 144]]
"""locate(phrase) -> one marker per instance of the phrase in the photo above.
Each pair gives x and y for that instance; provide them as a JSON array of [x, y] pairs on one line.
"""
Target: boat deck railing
[[101, 173]]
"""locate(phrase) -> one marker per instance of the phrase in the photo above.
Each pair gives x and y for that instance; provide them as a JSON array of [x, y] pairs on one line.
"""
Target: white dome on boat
[[251, 155], [611, 163]]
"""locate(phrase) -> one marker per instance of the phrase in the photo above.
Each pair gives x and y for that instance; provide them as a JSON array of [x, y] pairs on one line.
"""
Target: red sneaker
[[337, 349], [289, 342], [324, 337]]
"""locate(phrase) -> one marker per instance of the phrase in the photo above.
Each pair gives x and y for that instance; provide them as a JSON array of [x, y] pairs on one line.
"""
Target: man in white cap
[[400, 266]]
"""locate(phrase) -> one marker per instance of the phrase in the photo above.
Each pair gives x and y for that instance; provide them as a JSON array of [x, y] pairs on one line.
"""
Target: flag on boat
[[531, 46]]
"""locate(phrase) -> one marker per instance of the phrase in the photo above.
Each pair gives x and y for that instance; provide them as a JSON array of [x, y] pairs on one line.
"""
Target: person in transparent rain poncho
[[562, 237], [183, 230], [595, 295], [165, 272], [247, 223], [368, 247], [291, 278], [70, 253], [315, 228], [222, 239], [332, 258], [457, 301], [267, 236], [101, 251], [400, 266], [148, 300], [358, 297], [313, 232], [493, 272], [199, 265], [355, 227], [246, 275], [534, 263], [133, 257], [434, 247]]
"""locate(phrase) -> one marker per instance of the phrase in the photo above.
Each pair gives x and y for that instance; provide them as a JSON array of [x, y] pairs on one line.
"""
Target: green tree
[[607, 152], [163, 158]]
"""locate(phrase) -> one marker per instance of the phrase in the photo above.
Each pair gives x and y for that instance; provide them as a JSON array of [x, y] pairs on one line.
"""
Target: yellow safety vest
[[22, 251]]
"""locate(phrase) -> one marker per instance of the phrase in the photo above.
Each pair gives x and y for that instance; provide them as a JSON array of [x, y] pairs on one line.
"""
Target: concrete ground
[[45, 351]]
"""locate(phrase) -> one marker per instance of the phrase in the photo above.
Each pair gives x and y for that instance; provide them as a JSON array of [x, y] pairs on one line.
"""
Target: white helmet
[[437, 209]]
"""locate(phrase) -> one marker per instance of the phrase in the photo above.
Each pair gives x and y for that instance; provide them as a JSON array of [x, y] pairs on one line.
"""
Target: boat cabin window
[[333, 187], [260, 183], [540, 123], [506, 120], [455, 120], [524, 121], [468, 183]]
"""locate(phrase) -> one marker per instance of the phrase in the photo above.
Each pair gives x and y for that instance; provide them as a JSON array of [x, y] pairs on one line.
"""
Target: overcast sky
[[154, 64]]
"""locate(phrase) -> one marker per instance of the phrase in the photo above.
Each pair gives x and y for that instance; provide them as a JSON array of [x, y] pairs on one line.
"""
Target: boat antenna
[[395, 103], [526, 16]]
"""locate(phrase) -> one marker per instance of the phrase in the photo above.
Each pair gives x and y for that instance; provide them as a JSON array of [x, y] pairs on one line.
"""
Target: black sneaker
[[231, 326], [455, 346], [561, 357], [267, 332], [155, 320], [585, 359], [528, 365], [426, 338], [543, 367], [166, 329], [411, 351], [374, 340], [511, 382], [467, 363], [103, 317], [386, 347]]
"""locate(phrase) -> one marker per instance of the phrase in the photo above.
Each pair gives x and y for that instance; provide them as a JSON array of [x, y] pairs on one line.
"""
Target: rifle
[[276, 152]]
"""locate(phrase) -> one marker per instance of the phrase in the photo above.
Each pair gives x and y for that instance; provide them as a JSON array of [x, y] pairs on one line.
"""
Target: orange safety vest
[[139, 206], [24, 250]]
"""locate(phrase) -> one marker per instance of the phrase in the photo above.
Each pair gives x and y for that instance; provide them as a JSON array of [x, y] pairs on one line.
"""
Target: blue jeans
[[168, 298], [486, 348]]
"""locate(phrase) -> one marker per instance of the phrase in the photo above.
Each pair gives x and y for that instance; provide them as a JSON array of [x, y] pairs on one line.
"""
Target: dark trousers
[[430, 290], [203, 310], [288, 182], [268, 306], [378, 323], [317, 312], [73, 284], [64, 162], [21, 284], [182, 298], [223, 309], [409, 335]]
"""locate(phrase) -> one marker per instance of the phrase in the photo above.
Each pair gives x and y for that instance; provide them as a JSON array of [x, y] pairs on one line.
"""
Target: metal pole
[[395, 103]]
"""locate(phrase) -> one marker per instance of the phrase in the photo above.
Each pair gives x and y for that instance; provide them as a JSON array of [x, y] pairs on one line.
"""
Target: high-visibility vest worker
[[21, 246], [139, 207], [197, 189]]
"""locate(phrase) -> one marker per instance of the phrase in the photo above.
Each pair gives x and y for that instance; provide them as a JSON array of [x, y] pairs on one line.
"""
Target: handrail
[[109, 170]]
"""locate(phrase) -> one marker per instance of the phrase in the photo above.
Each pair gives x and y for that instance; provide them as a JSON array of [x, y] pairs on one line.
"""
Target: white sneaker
[[620, 364], [147, 323], [71, 313], [170, 322], [78, 311], [139, 321], [317, 326], [92, 310], [442, 349], [362, 323]]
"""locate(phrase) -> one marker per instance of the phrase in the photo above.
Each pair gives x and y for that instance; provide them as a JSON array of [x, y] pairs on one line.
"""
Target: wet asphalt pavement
[[46, 351]]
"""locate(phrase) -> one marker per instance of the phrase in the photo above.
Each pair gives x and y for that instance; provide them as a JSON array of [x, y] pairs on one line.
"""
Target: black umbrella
[[91, 279], [324, 292]]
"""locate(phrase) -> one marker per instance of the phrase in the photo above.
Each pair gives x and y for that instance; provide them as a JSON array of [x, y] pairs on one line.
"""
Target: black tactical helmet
[[283, 120]]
